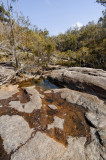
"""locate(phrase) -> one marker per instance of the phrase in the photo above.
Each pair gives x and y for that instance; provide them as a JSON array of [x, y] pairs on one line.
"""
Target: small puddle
[[46, 84], [43, 83]]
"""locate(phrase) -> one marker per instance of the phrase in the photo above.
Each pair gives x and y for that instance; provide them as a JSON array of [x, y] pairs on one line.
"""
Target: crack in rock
[[15, 131]]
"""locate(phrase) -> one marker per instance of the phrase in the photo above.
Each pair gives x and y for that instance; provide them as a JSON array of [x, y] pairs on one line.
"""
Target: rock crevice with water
[[92, 81]]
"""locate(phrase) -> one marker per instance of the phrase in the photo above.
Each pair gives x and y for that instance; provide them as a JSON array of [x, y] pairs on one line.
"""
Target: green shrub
[[66, 63]]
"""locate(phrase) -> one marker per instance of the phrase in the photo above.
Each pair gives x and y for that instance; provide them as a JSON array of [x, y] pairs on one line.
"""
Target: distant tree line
[[85, 46]]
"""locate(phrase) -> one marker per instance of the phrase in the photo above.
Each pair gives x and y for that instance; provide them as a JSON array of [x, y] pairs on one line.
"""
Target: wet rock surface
[[58, 124]]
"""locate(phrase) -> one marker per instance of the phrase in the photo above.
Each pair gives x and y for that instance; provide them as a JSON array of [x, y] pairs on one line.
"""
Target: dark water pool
[[46, 84], [43, 83]]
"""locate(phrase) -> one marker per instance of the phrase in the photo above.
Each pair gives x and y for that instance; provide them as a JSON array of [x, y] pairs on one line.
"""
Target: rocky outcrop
[[88, 80], [58, 124], [27, 133]]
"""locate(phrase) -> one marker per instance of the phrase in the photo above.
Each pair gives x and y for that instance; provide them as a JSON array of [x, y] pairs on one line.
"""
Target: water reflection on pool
[[43, 83], [46, 84]]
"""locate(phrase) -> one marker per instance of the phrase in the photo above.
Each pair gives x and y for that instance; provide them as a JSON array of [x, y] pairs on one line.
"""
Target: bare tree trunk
[[12, 36], [15, 56]]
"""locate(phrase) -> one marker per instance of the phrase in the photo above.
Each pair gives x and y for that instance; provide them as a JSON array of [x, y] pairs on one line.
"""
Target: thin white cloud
[[78, 24]]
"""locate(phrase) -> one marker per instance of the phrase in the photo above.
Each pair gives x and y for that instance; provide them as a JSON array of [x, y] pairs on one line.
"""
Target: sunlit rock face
[[88, 80], [6, 73], [90, 102], [41, 147], [22, 99], [96, 110], [51, 125], [8, 91], [14, 131], [34, 101]]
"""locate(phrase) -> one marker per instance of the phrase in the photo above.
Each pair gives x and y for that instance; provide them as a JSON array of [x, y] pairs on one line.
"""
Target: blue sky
[[59, 15]]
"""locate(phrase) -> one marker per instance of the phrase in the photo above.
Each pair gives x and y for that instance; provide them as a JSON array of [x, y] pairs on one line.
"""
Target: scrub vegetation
[[26, 44]]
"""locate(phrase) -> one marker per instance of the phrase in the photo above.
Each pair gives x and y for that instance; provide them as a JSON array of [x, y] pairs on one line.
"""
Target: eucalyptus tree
[[103, 2], [4, 15], [11, 23]]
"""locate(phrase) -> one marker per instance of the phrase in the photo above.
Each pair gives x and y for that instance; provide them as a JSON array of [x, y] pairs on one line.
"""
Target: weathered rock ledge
[[87, 80]]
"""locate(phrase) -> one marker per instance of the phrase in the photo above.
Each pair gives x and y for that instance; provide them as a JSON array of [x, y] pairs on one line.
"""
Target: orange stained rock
[[74, 120]]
